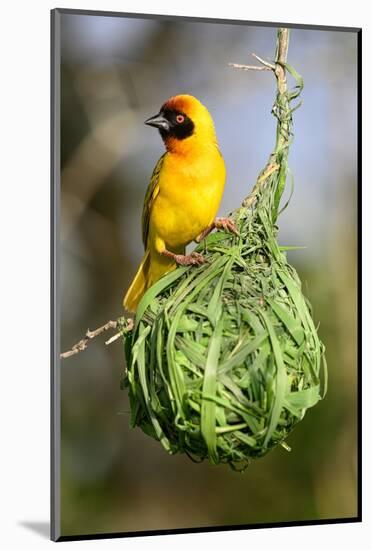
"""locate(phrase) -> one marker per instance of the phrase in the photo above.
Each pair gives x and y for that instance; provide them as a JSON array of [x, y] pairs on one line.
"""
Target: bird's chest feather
[[189, 197]]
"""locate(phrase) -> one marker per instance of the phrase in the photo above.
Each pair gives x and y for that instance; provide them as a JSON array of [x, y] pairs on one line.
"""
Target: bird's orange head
[[184, 124]]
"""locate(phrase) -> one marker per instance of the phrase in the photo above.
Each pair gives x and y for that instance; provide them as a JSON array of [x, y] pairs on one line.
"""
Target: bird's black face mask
[[172, 123]]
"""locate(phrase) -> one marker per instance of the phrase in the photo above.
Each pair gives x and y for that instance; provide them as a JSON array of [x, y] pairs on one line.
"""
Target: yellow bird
[[183, 195]]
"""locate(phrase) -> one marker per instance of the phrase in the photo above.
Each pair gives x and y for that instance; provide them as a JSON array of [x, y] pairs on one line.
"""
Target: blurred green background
[[116, 72]]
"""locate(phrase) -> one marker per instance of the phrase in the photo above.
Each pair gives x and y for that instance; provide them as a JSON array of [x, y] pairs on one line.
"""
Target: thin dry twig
[[279, 70], [266, 65], [248, 67], [113, 338], [90, 334]]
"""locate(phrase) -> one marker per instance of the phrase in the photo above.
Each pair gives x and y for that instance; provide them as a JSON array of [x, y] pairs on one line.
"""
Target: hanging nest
[[224, 359]]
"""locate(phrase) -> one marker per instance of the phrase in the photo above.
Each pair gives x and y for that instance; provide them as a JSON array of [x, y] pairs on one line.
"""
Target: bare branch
[[282, 129], [248, 67], [113, 338], [266, 64], [128, 325]]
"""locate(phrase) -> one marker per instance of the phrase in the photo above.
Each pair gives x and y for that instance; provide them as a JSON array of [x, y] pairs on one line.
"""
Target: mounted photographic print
[[204, 274]]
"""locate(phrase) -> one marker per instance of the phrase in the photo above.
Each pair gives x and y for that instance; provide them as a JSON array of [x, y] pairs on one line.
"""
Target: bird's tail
[[139, 285], [152, 268]]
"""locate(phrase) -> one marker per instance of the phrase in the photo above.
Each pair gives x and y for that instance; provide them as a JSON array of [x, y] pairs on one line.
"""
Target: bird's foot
[[226, 224], [190, 259]]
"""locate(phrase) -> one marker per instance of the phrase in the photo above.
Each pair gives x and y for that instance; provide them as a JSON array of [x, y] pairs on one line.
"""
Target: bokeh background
[[115, 73]]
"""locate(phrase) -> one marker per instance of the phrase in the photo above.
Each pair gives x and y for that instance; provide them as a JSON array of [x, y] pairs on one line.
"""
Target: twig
[[113, 338], [278, 68], [266, 65], [248, 67], [281, 57], [125, 324], [270, 66]]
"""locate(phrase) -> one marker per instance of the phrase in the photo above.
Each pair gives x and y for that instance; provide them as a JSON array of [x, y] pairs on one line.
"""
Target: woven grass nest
[[224, 359]]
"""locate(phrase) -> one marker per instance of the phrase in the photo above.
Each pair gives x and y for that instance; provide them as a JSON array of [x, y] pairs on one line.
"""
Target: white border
[[25, 176]]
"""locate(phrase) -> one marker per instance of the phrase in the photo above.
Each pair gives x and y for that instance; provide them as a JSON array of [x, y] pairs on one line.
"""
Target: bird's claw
[[226, 224], [190, 259]]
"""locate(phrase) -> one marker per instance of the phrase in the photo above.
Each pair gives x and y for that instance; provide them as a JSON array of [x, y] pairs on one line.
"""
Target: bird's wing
[[151, 193]]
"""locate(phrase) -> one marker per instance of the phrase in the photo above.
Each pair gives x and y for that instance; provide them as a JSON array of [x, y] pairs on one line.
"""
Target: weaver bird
[[183, 195]]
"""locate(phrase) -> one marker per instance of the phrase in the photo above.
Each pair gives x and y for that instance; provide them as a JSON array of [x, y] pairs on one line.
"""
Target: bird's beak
[[158, 121]]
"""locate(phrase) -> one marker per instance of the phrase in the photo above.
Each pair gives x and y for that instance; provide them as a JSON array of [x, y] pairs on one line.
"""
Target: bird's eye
[[179, 119]]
